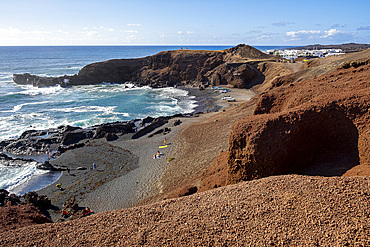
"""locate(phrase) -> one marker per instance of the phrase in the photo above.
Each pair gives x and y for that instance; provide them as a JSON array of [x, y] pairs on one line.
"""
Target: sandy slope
[[288, 210]]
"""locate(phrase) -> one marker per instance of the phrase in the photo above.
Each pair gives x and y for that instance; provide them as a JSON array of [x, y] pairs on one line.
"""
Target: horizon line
[[184, 45]]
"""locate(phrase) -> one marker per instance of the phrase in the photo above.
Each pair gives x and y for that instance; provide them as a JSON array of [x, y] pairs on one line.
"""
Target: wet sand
[[126, 173]]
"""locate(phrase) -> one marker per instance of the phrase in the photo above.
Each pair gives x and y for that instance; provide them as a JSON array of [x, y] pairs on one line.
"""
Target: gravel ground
[[288, 210]]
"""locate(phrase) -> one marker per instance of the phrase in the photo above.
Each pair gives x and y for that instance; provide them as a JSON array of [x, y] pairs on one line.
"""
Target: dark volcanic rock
[[118, 128], [41, 202], [39, 81], [31, 198], [111, 137], [155, 124], [72, 137], [166, 68], [34, 142], [73, 211], [47, 166]]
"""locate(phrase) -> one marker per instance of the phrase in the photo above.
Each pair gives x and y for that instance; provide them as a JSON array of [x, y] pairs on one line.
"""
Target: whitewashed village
[[292, 54]]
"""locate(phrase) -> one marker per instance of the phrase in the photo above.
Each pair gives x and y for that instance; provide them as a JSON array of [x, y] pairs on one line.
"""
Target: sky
[[190, 22]]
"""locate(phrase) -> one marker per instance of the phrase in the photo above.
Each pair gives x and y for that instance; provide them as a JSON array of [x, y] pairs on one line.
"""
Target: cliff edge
[[234, 66]]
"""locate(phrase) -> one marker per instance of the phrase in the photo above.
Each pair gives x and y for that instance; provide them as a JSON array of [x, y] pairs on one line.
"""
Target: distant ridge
[[347, 48], [248, 52]]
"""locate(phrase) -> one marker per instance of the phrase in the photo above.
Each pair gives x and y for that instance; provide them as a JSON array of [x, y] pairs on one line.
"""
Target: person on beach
[[69, 171], [87, 212], [64, 214], [48, 153], [165, 141], [94, 166], [157, 155], [59, 186]]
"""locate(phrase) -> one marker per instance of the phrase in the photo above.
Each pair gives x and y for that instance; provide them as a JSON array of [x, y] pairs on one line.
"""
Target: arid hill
[[319, 126], [347, 48]]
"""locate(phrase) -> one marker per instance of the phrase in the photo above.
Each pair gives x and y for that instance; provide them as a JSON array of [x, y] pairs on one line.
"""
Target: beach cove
[[126, 173]]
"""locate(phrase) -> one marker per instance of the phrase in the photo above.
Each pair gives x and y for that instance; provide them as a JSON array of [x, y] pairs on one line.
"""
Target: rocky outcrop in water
[[234, 66], [55, 141]]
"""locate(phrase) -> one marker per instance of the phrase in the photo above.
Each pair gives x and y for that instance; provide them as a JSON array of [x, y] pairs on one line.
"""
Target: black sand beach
[[126, 173]]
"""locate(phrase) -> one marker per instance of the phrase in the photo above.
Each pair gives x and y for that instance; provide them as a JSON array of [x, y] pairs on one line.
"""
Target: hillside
[[277, 211], [347, 48]]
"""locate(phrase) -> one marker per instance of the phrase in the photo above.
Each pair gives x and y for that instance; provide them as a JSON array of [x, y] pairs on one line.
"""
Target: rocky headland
[[347, 48], [234, 66], [310, 119]]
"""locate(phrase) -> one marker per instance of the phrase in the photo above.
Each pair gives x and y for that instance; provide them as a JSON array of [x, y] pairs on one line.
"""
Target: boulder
[[75, 136], [111, 137], [119, 128], [155, 124], [47, 166]]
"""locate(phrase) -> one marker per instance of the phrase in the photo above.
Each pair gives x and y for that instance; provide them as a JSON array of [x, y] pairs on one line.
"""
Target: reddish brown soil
[[275, 211], [14, 217]]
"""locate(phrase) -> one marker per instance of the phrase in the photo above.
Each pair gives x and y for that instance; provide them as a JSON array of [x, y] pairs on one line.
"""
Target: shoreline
[[126, 173], [204, 103]]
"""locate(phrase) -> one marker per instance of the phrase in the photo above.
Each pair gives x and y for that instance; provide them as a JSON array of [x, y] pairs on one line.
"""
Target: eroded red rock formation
[[319, 127]]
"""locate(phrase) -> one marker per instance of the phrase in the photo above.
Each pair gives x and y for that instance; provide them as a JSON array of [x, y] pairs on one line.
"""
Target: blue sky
[[166, 22]]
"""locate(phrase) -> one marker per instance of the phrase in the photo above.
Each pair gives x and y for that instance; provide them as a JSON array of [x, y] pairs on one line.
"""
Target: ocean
[[25, 107]]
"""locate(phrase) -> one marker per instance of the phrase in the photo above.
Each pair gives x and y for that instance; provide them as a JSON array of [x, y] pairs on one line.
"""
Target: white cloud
[[316, 34], [187, 32], [91, 33], [320, 36], [264, 37], [130, 31], [295, 34], [106, 29], [331, 32], [131, 38]]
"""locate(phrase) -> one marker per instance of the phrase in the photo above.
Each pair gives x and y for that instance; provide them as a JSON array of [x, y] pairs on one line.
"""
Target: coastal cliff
[[315, 127], [309, 118], [235, 66]]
